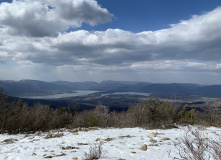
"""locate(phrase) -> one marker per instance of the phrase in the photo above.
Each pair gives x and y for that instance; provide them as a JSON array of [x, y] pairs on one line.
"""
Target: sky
[[172, 41]]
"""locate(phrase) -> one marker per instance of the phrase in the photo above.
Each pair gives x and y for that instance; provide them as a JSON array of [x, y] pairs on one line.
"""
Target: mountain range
[[35, 87]]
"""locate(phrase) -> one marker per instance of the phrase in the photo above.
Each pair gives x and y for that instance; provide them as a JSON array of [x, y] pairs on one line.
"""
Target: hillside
[[32, 88]]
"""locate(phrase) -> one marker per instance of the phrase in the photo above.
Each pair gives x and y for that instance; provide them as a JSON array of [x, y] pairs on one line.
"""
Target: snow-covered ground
[[118, 144]]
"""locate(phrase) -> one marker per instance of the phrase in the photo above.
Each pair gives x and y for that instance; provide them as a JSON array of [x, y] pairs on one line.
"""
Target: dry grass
[[95, 152], [195, 146]]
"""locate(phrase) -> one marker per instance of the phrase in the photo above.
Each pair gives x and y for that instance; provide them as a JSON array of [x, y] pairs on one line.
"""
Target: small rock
[[153, 140], [75, 158], [38, 133], [154, 134], [92, 128], [69, 147], [34, 154], [51, 135], [48, 157], [62, 154], [143, 147], [127, 136], [81, 144], [73, 130], [26, 135], [165, 139], [75, 133], [153, 144], [98, 139], [9, 141], [108, 139]]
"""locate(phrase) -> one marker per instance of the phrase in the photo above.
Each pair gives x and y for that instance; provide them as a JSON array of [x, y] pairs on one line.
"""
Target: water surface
[[63, 95], [127, 93]]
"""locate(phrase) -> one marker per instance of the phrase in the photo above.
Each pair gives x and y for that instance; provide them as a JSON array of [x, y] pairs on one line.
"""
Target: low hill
[[34, 87]]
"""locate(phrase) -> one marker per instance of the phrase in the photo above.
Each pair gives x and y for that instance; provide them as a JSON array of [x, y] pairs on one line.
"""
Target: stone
[[75, 133], [51, 135], [143, 147], [9, 141], [165, 139], [127, 136], [38, 133], [153, 134], [108, 139], [153, 144], [75, 158], [153, 140], [69, 147], [26, 135], [81, 144]]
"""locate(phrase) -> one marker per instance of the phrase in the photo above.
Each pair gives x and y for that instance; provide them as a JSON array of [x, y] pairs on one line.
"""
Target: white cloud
[[41, 18], [187, 47]]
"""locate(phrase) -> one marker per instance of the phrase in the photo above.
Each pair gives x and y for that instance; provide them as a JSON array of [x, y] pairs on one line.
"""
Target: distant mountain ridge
[[31, 87], [35, 87]]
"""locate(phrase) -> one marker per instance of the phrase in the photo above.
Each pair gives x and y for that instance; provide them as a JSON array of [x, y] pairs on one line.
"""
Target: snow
[[118, 143]]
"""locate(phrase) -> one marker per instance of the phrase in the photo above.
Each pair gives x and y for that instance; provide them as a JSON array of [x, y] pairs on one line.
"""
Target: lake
[[63, 95], [127, 93], [83, 93]]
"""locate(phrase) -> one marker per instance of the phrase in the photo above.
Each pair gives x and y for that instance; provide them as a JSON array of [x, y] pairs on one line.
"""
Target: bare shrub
[[17, 118], [210, 115], [152, 113], [3, 98], [215, 149], [95, 152], [3, 110], [120, 120], [194, 146], [101, 112]]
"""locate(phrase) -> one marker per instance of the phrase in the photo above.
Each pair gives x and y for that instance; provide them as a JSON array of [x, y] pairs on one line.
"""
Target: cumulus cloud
[[189, 46], [41, 18], [197, 39]]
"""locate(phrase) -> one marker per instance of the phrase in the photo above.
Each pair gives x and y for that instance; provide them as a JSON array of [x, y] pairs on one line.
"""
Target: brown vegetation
[[18, 117], [95, 152], [195, 146]]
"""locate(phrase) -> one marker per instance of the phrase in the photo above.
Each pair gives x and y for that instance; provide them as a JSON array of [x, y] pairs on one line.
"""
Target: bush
[[210, 115], [93, 121], [152, 113], [187, 117], [194, 146], [21, 118], [95, 152]]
